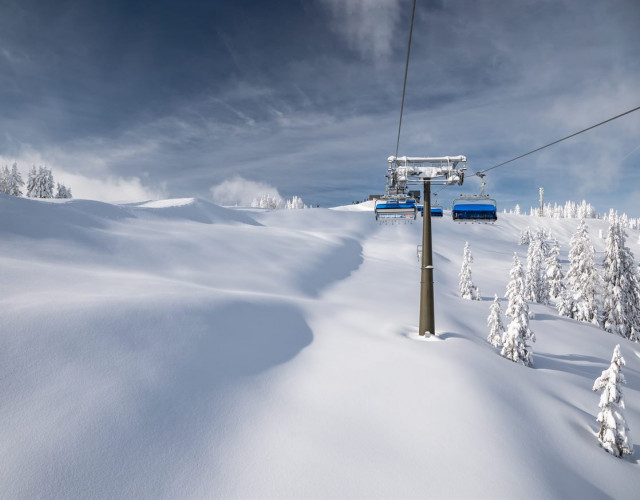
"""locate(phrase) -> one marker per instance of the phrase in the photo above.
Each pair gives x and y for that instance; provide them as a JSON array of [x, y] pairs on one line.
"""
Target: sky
[[225, 100]]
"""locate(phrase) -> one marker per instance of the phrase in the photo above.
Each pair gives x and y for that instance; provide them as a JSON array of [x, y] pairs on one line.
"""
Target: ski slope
[[178, 349]]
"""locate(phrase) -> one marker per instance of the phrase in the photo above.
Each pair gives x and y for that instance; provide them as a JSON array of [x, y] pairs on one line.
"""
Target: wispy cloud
[[368, 26], [240, 191]]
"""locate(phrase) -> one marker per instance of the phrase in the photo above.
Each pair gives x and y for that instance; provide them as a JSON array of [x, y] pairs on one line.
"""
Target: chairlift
[[396, 204], [391, 209], [436, 209], [475, 207]]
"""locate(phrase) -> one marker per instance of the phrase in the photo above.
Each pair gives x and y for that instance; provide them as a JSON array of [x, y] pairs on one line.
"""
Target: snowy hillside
[[178, 349]]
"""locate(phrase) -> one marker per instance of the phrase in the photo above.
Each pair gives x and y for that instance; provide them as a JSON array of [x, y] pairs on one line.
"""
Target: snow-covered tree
[[40, 183], [14, 181], [525, 236], [536, 285], [514, 345], [582, 277], [515, 287], [514, 340], [4, 178], [555, 276], [46, 182], [621, 291], [267, 201], [517, 209], [467, 289], [63, 191], [565, 305], [614, 435], [295, 203], [494, 321], [31, 182]]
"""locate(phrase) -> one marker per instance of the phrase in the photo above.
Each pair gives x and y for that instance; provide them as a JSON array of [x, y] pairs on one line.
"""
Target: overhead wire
[[549, 145], [556, 142], [406, 71]]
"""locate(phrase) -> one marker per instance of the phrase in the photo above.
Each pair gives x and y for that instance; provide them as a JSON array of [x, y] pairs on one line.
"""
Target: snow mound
[[193, 209], [365, 206]]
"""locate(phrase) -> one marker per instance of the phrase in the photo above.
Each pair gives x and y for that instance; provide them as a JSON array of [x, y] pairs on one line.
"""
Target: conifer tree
[[555, 276], [15, 182], [4, 180], [514, 339], [467, 289], [44, 183], [614, 435], [582, 276], [536, 285], [566, 305], [494, 321], [525, 237], [621, 311], [514, 346], [63, 191], [31, 182], [515, 287]]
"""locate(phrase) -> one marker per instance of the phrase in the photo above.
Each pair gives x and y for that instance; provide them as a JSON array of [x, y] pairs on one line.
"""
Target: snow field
[[179, 349]]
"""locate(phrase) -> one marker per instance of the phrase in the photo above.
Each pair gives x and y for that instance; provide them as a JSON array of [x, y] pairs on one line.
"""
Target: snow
[[178, 349]]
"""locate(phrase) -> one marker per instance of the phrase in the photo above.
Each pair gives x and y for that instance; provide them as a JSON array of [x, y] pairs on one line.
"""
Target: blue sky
[[126, 99]]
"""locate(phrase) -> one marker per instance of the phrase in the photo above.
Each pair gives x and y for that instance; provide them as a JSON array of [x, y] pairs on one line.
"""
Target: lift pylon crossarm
[[438, 169], [427, 159]]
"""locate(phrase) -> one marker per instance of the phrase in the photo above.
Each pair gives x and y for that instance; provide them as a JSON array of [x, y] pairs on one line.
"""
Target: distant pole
[[541, 201], [427, 320]]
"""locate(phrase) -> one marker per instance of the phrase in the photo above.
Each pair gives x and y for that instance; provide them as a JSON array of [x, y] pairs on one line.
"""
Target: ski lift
[[396, 209], [396, 204], [475, 207], [436, 209]]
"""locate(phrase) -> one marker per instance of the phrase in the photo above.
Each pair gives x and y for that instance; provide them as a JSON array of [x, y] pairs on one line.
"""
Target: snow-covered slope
[[178, 349]]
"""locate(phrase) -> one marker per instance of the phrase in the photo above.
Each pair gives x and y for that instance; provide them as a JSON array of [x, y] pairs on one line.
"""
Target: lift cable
[[548, 145], [406, 70], [556, 142]]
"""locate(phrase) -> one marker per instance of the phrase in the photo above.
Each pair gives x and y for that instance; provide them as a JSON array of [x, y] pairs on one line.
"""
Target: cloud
[[367, 25], [103, 187], [239, 191]]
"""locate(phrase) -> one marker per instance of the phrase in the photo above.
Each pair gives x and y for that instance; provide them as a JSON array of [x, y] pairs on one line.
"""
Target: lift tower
[[446, 170]]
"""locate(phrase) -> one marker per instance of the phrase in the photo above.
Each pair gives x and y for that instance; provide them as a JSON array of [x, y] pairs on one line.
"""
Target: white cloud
[[239, 191], [367, 25], [101, 187]]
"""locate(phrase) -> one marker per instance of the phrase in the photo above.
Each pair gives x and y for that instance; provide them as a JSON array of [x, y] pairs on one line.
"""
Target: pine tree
[[536, 285], [494, 321], [44, 183], [267, 201], [555, 276], [614, 433], [467, 289], [621, 312], [515, 287], [63, 191], [15, 182], [525, 237], [514, 339], [514, 346], [31, 182], [295, 203], [566, 306], [582, 276], [4, 180]]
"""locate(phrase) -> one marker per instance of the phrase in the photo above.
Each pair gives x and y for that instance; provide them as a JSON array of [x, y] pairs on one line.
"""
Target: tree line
[[40, 183]]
